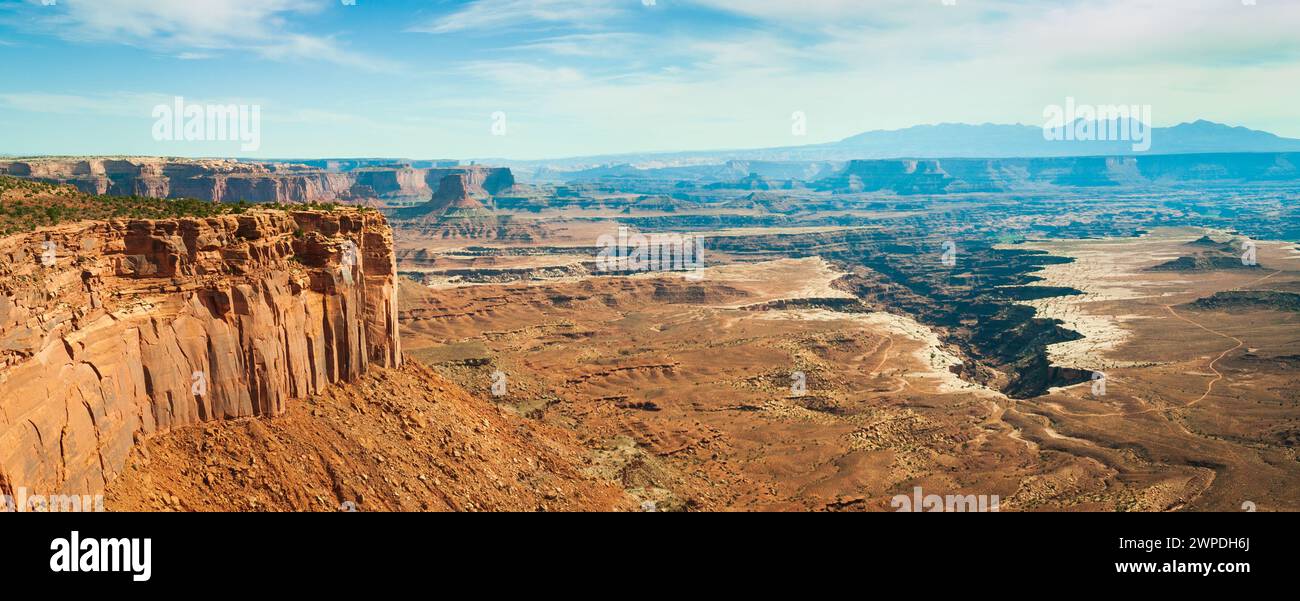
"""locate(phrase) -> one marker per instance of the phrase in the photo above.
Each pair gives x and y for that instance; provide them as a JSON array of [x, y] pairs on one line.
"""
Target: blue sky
[[424, 79]]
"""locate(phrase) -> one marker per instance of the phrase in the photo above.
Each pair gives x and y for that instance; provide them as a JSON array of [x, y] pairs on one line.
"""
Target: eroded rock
[[140, 326]]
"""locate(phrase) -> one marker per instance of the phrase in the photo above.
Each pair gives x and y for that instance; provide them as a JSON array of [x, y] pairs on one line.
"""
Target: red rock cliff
[[112, 340], [221, 180]]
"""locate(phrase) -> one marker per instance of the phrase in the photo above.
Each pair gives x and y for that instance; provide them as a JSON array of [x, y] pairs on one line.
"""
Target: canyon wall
[[942, 176], [220, 180], [110, 331]]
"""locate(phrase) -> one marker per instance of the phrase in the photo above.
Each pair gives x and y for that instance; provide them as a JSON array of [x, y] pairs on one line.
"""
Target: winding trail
[[884, 354], [1209, 386], [884, 358], [1218, 376]]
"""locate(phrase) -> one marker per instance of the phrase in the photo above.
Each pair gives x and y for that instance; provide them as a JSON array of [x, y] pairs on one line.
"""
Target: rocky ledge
[[111, 331]]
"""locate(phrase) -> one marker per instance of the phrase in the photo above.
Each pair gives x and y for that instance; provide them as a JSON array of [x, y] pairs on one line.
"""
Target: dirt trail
[[1209, 386], [1218, 376]]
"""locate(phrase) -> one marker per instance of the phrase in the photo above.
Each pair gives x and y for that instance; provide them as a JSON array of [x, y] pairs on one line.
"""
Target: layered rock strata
[[219, 180], [944, 176], [110, 331]]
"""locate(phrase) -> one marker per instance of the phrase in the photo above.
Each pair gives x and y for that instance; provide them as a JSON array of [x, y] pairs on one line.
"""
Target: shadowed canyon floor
[[914, 373], [686, 387]]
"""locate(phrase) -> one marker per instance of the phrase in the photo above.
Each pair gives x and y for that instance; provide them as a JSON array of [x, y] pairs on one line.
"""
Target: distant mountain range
[[948, 140], [955, 175]]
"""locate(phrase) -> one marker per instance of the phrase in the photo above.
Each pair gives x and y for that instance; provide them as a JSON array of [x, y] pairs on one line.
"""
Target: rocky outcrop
[[461, 208], [271, 182], [477, 180], [110, 331], [1263, 300], [457, 193]]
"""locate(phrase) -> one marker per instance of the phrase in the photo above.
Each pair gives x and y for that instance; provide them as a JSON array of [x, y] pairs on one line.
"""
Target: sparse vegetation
[[26, 205]]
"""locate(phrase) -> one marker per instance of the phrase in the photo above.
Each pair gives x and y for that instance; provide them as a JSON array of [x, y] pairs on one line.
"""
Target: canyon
[[943, 176], [936, 176], [1083, 335], [433, 187], [222, 180], [856, 330]]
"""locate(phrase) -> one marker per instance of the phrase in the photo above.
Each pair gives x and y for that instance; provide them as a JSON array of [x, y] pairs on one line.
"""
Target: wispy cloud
[[503, 14], [109, 104], [522, 75], [1104, 32], [117, 104], [291, 46], [611, 44], [590, 76], [198, 28]]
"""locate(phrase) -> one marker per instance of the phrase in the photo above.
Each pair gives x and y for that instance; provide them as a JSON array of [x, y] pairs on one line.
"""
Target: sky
[[531, 79]]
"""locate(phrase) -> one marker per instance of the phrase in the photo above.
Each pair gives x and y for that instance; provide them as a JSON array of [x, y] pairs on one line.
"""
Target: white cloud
[[110, 104], [117, 104], [513, 74], [200, 27], [611, 44], [854, 66], [298, 46], [822, 11], [1105, 32], [584, 76], [502, 14]]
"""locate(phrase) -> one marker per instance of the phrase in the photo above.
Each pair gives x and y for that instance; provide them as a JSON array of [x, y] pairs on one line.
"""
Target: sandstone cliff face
[[143, 326], [231, 181]]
